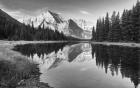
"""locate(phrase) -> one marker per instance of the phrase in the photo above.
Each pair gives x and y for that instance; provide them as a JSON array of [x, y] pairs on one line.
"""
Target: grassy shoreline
[[13, 43], [118, 44], [2, 42]]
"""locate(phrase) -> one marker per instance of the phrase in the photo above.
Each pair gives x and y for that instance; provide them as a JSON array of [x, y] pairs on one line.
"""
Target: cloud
[[44, 9], [59, 13], [17, 14], [84, 12]]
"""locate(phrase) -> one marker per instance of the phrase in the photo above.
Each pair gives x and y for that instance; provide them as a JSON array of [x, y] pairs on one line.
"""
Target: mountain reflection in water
[[84, 65]]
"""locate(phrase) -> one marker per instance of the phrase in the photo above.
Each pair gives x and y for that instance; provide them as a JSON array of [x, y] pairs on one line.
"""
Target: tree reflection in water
[[116, 58]]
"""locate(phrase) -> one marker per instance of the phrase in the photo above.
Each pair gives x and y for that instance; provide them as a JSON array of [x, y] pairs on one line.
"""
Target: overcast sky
[[84, 9]]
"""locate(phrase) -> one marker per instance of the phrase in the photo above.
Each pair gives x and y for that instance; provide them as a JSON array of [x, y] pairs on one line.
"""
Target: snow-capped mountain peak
[[47, 19], [52, 20]]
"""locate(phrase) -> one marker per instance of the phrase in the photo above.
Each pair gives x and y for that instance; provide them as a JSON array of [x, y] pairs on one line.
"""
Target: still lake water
[[83, 65]]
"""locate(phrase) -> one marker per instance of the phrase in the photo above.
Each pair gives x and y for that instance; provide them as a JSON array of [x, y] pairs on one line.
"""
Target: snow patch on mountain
[[85, 25]]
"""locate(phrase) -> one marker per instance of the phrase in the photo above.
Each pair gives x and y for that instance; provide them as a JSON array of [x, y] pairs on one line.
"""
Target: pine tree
[[135, 22], [97, 30], [126, 26], [93, 34], [111, 31], [107, 26], [102, 30], [115, 31]]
